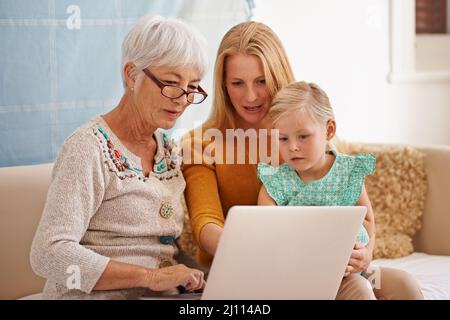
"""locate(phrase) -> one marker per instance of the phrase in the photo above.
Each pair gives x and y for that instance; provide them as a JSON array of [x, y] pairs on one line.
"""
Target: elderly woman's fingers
[[201, 282], [195, 281], [191, 279]]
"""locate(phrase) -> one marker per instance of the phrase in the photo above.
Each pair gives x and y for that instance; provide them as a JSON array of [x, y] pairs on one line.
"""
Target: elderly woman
[[113, 209]]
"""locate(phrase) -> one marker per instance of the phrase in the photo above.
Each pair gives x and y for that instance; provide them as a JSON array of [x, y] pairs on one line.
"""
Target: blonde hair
[[253, 38], [301, 96]]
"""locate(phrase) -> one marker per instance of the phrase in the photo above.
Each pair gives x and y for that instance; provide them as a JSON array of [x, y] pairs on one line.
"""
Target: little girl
[[313, 174]]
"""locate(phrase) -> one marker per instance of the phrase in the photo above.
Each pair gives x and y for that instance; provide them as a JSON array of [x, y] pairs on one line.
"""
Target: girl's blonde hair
[[256, 39], [301, 97]]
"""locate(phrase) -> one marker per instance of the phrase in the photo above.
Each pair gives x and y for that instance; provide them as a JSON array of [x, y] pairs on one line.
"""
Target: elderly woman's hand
[[359, 260], [174, 276]]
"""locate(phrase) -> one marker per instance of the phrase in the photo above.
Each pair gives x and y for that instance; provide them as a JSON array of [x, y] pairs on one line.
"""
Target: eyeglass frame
[[161, 85]]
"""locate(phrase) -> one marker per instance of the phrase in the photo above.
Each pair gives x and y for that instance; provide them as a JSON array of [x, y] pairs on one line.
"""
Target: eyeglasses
[[175, 92]]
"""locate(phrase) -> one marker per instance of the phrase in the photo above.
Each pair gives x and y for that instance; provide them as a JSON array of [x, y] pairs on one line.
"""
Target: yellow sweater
[[213, 188]]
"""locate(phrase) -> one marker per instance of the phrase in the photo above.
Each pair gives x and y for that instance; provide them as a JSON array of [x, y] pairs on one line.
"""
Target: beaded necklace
[[167, 162]]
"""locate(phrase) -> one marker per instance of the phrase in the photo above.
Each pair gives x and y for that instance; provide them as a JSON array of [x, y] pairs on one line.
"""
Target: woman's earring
[[132, 88]]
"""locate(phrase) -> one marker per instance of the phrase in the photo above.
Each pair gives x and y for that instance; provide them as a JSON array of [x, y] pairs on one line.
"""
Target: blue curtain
[[60, 66]]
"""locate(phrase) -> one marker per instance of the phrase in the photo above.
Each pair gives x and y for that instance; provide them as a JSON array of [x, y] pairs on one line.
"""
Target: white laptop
[[272, 252]]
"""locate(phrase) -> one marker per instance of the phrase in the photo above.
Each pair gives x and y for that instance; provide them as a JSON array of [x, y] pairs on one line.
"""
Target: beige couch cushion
[[23, 192], [431, 272], [434, 237], [397, 191]]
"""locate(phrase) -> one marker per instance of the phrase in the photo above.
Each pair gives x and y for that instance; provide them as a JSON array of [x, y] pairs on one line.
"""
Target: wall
[[60, 66], [213, 18], [448, 16], [344, 47]]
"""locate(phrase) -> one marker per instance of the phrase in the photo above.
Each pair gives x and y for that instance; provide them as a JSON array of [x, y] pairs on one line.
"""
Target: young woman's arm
[[369, 220], [211, 232], [362, 255], [209, 237], [204, 206], [202, 198]]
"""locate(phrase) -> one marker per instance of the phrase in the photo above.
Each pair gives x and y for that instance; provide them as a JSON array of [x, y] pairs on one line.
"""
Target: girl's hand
[[359, 260], [171, 277]]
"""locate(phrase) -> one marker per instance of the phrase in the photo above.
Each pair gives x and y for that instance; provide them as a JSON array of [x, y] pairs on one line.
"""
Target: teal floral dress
[[341, 186]]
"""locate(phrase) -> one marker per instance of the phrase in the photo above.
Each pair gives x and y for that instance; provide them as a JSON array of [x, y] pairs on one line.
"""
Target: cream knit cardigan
[[95, 212]]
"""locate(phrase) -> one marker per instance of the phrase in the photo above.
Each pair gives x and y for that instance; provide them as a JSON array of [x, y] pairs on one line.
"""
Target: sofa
[[23, 193]]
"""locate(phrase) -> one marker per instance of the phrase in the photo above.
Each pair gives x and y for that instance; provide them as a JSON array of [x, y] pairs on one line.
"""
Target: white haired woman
[[113, 208]]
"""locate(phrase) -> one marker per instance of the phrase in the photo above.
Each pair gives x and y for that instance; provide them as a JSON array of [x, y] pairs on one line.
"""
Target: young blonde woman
[[251, 67]]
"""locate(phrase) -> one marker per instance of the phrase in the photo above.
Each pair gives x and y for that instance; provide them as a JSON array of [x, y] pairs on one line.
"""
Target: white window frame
[[404, 44]]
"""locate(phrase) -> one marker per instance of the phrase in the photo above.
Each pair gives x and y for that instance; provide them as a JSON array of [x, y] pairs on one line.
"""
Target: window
[[431, 16], [420, 42]]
